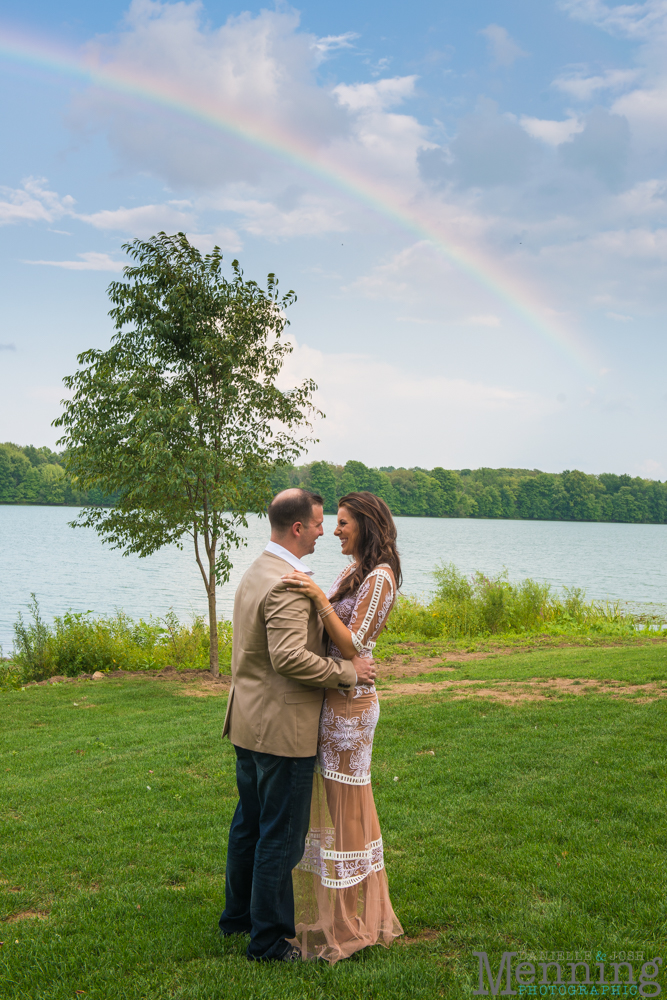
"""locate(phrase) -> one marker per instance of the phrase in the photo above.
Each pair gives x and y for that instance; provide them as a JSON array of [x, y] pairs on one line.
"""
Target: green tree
[[14, 467], [581, 495], [489, 503], [450, 484], [279, 479], [508, 501], [625, 506], [181, 416], [323, 481], [541, 498]]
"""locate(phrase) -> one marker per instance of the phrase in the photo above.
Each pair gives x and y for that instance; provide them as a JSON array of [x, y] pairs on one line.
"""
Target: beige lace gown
[[340, 886]]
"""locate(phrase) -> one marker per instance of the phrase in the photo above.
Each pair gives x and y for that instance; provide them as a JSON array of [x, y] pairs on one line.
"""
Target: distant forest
[[36, 476], [524, 494]]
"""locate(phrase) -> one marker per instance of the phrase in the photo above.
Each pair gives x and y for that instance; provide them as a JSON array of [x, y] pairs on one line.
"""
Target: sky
[[470, 201]]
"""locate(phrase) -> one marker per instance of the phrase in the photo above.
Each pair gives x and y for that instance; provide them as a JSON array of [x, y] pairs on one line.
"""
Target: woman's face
[[347, 530]]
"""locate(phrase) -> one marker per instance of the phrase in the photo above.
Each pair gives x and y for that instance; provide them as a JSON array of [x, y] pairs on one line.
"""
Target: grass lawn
[[534, 825]]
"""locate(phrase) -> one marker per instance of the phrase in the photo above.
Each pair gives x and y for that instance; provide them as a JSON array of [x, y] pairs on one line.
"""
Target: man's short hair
[[292, 506]]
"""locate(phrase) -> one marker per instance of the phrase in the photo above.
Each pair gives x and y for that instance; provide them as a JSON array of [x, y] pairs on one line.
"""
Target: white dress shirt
[[280, 550]]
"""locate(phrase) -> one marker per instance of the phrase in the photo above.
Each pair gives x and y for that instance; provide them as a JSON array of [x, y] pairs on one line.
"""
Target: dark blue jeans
[[266, 841]]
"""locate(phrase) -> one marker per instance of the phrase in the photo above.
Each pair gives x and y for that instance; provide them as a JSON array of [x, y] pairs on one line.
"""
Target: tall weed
[[78, 642], [479, 606]]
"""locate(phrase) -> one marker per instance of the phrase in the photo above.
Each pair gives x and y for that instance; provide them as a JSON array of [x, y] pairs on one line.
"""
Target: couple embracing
[[305, 871]]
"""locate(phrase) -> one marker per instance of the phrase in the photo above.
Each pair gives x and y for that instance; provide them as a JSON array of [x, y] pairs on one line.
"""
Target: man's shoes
[[293, 954]]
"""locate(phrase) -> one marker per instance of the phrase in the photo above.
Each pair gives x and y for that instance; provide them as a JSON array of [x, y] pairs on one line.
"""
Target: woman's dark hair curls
[[376, 542]]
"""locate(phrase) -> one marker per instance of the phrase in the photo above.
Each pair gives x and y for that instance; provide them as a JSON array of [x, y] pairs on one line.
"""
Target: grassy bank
[[526, 826], [464, 612]]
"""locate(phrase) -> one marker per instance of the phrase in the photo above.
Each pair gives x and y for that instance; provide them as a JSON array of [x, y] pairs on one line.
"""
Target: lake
[[72, 569]]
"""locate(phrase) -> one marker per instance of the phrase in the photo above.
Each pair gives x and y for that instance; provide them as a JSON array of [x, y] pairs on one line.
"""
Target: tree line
[[30, 475], [523, 494]]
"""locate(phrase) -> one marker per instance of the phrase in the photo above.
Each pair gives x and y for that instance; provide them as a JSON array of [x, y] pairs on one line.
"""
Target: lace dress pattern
[[341, 890]]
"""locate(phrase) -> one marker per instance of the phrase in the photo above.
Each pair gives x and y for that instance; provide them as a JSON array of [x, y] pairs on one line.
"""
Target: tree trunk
[[213, 628]]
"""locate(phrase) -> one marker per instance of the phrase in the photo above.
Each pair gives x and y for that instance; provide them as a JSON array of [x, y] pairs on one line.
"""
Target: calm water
[[72, 569]]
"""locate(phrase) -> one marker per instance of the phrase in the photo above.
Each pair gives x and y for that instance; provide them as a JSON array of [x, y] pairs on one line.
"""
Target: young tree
[[181, 417]]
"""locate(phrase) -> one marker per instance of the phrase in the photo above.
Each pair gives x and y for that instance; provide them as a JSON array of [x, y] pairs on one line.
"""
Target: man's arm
[[286, 614]]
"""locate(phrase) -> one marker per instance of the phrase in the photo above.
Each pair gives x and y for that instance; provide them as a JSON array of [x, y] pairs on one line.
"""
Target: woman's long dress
[[340, 886]]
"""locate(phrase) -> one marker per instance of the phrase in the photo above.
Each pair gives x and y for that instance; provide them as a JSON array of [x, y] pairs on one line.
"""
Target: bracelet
[[325, 611]]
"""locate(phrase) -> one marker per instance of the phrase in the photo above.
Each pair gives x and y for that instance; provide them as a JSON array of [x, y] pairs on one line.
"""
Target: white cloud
[[382, 145], [262, 71], [33, 203], [259, 71], [644, 102], [646, 110], [583, 87], [379, 67], [405, 276], [227, 239], [621, 271], [90, 261], [378, 96], [299, 215], [620, 318], [551, 132], [36, 203], [334, 43], [485, 320], [639, 244], [419, 320], [435, 402], [7, 347], [504, 50], [650, 468], [145, 220], [636, 20], [644, 198]]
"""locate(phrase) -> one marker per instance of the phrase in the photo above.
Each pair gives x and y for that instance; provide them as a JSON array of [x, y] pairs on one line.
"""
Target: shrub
[[479, 606], [80, 643]]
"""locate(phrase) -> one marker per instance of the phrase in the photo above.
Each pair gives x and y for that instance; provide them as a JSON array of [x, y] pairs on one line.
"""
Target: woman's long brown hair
[[376, 542]]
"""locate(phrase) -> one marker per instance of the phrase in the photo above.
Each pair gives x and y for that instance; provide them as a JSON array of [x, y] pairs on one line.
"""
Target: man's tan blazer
[[278, 670]]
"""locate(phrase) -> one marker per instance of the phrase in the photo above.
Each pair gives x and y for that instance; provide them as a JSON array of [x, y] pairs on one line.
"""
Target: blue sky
[[531, 137]]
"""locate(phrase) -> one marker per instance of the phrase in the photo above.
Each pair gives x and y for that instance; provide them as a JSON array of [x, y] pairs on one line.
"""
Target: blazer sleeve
[[286, 614]]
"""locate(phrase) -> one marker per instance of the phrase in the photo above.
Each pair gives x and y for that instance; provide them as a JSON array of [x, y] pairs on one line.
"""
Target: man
[[278, 680]]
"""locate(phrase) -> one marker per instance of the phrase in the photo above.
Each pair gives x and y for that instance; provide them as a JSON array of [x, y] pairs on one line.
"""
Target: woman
[[341, 893]]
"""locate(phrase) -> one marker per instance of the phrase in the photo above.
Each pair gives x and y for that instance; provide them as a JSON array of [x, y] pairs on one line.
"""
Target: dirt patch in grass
[[26, 915], [203, 679], [397, 666], [539, 689], [425, 935]]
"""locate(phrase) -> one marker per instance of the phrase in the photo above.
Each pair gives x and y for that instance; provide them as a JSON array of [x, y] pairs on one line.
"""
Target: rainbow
[[488, 273]]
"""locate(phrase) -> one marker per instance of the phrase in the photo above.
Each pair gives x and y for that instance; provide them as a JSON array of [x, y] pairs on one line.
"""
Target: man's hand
[[365, 668]]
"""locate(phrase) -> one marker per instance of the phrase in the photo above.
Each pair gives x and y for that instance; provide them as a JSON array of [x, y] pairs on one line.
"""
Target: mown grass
[[533, 826]]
